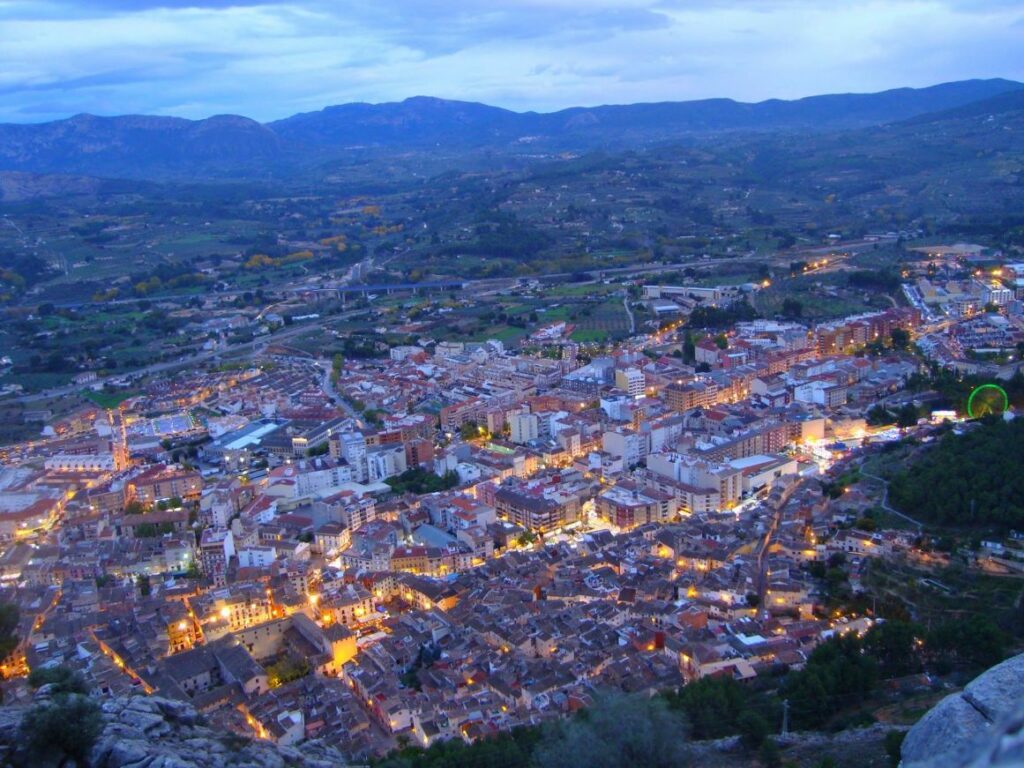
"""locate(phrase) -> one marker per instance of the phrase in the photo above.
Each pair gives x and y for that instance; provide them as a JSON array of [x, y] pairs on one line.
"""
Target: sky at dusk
[[271, 59]]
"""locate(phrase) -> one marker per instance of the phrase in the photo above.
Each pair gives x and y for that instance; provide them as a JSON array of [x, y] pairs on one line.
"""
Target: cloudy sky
[[272, 58]]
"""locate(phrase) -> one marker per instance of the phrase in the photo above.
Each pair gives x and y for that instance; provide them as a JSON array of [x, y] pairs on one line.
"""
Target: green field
[[588, 335], [506, 334], [107, 400]]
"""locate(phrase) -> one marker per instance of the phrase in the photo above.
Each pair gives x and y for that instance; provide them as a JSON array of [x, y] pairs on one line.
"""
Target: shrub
[[70, 723], [893, 744], [63, 680]]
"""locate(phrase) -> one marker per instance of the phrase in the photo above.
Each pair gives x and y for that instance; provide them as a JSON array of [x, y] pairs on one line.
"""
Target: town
[[460, 537]]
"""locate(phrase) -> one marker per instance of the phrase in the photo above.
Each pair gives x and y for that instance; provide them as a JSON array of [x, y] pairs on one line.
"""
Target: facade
[[631, 381], [524, 427], [535, 512], [627, 507]]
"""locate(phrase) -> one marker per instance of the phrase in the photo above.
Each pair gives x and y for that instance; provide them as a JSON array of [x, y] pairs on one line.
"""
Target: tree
[[618, 730], [418, 480], [286, 670], [906, 416], [878, 416], [9, 617], [866, 523], [893, 745], [837, 675], [753, 729], [62, 679], [716, 707], [972, 643], [770, 754], [894, 644], [689, 347], [469, 431], [68, 725], [792, 308], [142, 582], [900, 338], [967, 480], [507, 749]]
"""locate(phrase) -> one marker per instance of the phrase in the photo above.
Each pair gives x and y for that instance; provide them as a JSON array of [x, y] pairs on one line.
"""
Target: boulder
[[997, 691], [152, 732], [965, 727]]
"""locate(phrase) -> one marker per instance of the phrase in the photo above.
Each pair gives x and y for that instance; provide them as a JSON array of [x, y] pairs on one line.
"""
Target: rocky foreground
[[981, 726], [152, 732], [978, 727]]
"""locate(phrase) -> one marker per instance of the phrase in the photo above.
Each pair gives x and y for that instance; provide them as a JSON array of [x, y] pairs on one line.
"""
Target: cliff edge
[[981, 726], [152, 732]]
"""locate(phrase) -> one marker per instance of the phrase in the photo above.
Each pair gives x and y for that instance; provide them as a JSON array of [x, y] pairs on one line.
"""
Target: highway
[[836, 253], [368, 263]]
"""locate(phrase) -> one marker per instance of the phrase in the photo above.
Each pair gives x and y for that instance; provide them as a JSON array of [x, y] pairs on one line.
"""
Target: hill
[[971, 479], [137, 146]]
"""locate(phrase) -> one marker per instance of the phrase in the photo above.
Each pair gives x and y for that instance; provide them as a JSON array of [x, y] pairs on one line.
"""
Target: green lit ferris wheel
[[987, 400]]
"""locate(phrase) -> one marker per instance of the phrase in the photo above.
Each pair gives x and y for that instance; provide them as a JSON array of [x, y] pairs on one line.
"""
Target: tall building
[[524, 427], [351, 446], [630, 380]]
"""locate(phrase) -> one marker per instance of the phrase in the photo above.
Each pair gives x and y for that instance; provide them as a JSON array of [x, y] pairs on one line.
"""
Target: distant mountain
[[138, 146], [418, 121], [232, 146], [1007, 101], [422, 121]]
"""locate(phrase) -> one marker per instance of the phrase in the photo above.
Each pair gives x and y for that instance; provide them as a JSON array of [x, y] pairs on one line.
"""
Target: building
[[160, 483], [525, 427], [631, 381], [726, 480], [626, 506], [694, 394], [216, 549], [535, 511]]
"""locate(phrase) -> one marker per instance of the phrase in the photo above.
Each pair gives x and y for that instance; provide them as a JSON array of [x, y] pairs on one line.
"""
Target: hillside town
[[460, 537]]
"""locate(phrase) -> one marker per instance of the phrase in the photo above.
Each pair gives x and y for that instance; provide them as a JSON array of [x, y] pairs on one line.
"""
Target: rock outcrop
[[152, 732], [978, 727]]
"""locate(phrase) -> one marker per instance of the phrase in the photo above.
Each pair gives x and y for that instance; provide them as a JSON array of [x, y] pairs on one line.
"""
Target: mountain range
[[153, 147]]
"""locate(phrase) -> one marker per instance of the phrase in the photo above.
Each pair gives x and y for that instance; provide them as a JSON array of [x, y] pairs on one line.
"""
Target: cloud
[[270, 58]]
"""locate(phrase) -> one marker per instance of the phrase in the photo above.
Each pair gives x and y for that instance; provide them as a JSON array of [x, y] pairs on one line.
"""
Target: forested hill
[[972, 479]]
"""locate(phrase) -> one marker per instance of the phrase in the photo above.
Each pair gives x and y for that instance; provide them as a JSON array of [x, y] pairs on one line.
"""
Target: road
[[766, 542], [632, 320], [884, 504], [326, 366], [370, 262]]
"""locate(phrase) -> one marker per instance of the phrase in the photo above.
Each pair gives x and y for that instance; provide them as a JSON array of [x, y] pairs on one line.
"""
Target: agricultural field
[[607, 320]]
